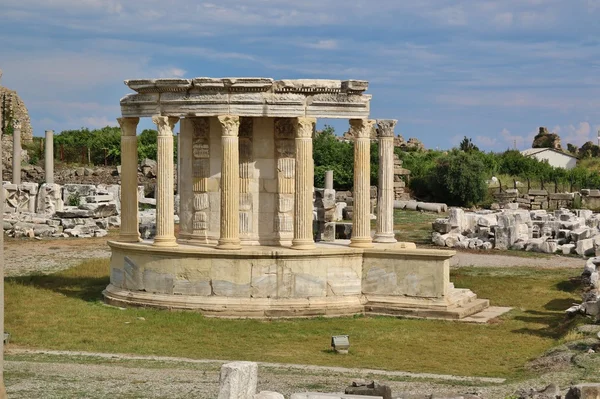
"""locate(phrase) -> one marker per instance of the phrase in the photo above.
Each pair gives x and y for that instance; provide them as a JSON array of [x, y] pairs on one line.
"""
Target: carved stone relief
[[200, 173], [285, 152]]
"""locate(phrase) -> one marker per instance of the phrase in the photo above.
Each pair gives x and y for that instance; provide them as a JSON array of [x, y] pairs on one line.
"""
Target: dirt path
[[491, 259], [26, 256], [49, 374]]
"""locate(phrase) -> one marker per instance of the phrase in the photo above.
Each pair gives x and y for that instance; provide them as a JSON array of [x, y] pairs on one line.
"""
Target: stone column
[[2, 199], [230, 183], [16, 162], [329, 180], [361, 222], [129, 180], [165, 208], [185, 174], [304, 185], [179, 163], [385, 193], [49, 157]]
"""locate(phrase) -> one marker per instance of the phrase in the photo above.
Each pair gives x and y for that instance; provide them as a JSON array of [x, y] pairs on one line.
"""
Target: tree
[[572, 148], [458, 179], [589, 150], [467, 145], [331, 154]]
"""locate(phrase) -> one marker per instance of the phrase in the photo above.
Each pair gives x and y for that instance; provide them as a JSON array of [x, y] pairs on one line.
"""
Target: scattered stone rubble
[[50, 210], [71, 210], [552, 391], [562, 231], [590, 278], [239, 380]]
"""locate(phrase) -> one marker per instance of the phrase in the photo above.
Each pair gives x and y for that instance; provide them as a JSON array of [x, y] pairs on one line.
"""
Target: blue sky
[[491, 70]]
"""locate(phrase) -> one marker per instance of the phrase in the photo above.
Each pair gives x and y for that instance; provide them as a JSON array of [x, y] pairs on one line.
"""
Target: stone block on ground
[[238, 380], [369, 388], [585, 247], [584, 391]]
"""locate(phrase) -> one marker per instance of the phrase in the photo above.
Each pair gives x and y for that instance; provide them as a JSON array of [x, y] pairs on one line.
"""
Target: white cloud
[[325, 44], [503, 19], [485, 141]]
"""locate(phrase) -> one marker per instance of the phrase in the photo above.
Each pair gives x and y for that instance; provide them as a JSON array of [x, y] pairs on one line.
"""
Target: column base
[[165, 242], [229, 244], [303, 244], [361, 242], [135, 237], [385, 238]]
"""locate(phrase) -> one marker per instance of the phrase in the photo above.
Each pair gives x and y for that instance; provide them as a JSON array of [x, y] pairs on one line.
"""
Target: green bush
[[458, 178]]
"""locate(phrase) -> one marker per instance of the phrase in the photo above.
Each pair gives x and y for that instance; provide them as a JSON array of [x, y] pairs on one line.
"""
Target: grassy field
[[64, 311], [413, 226]]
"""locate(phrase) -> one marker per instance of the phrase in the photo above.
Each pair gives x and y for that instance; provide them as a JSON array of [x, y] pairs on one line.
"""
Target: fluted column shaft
[[361, 222], [129, 180], [16, 161], [230, 183], [49, 157], [185, 184], [385, 194], [165, 203], [304, 183], [2, 199]]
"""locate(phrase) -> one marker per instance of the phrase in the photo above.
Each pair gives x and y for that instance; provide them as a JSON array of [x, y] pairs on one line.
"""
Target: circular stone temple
[[245, 246]]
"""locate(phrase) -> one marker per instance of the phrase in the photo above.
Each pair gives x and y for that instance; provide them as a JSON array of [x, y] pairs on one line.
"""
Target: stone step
[[450, 313]]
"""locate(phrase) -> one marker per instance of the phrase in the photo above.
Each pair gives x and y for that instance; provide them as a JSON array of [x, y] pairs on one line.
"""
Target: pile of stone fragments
[[590, 278], [44, 211], [560, 231]]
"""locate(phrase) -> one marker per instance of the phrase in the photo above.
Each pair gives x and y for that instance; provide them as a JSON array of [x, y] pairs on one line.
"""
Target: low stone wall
[[542, 199], [562, 231]]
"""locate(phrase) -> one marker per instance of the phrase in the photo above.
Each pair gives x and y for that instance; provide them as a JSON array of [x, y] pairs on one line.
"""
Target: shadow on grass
[[573, 284], [552, 324], [85, 288]]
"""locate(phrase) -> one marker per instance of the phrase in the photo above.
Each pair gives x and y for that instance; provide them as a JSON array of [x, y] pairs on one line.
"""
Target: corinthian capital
[[128, 126], [304, 127], [361, 128], [165, 124], [230, 125], [385, 127]]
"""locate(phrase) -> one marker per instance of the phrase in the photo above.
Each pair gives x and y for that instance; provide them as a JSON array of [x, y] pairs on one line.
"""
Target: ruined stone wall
[[12, 107], [542, 199]]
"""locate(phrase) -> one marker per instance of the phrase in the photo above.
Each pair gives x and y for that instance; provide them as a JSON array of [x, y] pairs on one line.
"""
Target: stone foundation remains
[[562, 231], [542, 199]]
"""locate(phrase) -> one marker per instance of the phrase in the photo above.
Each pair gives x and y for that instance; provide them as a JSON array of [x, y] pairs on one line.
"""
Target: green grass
[[64, 312], [414, 226]]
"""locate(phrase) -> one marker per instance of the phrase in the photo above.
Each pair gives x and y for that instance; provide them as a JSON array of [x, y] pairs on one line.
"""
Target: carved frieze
[[284, 223]]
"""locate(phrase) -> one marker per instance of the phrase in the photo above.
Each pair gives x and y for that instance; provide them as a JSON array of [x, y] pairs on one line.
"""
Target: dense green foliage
[[102, 146], [330, 153], [459, 179], [436, 176]]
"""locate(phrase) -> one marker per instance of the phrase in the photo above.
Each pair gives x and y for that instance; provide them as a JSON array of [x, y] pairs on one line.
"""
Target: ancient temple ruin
[[245, 246], [13, 109]]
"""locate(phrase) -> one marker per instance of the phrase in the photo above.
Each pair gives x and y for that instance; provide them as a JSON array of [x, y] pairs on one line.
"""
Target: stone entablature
[[257, 97]]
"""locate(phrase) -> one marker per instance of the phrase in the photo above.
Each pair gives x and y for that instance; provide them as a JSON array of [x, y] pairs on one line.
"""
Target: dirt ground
[[24, 256]]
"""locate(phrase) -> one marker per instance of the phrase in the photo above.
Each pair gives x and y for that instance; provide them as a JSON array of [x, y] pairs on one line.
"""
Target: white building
[[555, 158]]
